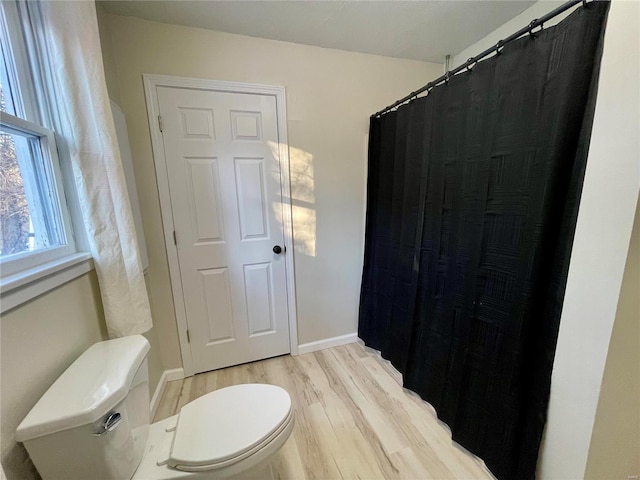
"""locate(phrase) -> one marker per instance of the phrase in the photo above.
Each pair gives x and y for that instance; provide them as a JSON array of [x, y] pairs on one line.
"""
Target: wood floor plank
[[300, 378], [389, 433], [436, 434], [396, 412], [353, 418], [410, 466], [289, 374], [184, 395], [355, 457], [169, 402], [356, 406], [287, 464], [330, 447]]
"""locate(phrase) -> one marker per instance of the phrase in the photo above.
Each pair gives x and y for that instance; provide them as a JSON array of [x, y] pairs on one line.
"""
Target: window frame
[[15, 263], [25, 275], [13, 36]]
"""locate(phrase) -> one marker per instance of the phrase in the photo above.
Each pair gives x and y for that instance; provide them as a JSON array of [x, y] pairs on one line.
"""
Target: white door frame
[[151, 82]]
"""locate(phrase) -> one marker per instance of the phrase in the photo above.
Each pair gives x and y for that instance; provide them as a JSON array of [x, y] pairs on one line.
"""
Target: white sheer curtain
[[66, 34]]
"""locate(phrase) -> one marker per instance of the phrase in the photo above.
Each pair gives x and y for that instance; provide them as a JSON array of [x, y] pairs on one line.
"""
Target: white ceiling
[[420, 30]]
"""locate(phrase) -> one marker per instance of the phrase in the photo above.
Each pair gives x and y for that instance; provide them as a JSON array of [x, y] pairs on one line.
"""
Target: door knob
[[277, 249]]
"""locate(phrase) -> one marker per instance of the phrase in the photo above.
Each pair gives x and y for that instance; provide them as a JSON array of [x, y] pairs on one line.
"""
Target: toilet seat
[[228, 425]]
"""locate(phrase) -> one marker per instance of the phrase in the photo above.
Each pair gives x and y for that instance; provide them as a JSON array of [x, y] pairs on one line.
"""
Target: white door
[[221, 152]]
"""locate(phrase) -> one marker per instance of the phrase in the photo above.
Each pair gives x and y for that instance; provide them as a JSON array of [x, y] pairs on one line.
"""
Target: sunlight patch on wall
[[304, 230], [302, 199]]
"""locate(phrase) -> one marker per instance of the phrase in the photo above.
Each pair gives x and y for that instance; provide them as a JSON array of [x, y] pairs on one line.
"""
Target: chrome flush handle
[[109, 423]]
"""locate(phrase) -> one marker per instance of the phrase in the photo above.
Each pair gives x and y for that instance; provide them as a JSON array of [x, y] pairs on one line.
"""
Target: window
[[35, 225], [31, 212]]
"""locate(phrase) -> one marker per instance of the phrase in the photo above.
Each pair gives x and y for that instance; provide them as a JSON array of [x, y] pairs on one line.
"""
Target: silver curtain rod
[[497, 48]]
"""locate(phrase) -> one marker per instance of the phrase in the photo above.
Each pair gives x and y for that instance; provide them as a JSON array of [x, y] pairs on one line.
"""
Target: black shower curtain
[[472, 201]]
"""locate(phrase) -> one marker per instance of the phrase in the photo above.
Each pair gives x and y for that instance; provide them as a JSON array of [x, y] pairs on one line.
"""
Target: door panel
[[205, 208], [258, 281], [252, 204], [224, 183], [217, 298]]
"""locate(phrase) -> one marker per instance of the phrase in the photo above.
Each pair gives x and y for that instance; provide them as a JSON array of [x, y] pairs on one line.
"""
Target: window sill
[[23, 286]]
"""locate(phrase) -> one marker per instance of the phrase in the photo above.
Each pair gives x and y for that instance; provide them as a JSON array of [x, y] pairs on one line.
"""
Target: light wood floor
[[353, 418]]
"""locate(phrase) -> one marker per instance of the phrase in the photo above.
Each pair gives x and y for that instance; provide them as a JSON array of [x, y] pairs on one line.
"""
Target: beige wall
[[601, 241], [38, 341], [107, 56], [330, 95], [154, 358], [615, 443]]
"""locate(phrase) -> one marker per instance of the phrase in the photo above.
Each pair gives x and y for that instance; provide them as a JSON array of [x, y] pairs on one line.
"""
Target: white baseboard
[[167, 376], [327, 343], [173, 374]]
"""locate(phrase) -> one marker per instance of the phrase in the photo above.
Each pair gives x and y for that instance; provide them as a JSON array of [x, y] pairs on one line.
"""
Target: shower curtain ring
[[469, 63], [532, 25], [447, 76], [499, 47]]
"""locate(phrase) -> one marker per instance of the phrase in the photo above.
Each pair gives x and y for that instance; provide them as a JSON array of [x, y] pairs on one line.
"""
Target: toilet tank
[[93, 422]]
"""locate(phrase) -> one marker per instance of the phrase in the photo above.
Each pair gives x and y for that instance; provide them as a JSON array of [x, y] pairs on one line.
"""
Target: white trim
[[151, 83], [167, 376], [27, 284], [50, 190], [174, 374], [150, 87], [13, 35], [287, 217], [327, 343]]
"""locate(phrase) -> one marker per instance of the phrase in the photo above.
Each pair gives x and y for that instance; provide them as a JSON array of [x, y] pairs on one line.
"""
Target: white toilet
[[93, 423]]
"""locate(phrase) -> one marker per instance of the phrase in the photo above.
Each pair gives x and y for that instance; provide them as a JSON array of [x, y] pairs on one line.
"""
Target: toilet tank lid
[[95, 383]]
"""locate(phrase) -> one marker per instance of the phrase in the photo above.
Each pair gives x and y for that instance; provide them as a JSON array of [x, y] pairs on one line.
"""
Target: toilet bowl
[[93, 422], [183, 446]]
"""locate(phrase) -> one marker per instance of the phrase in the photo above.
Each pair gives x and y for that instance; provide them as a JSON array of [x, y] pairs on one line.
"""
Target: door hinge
[[188, 337], [175, 238], [160, 122]]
